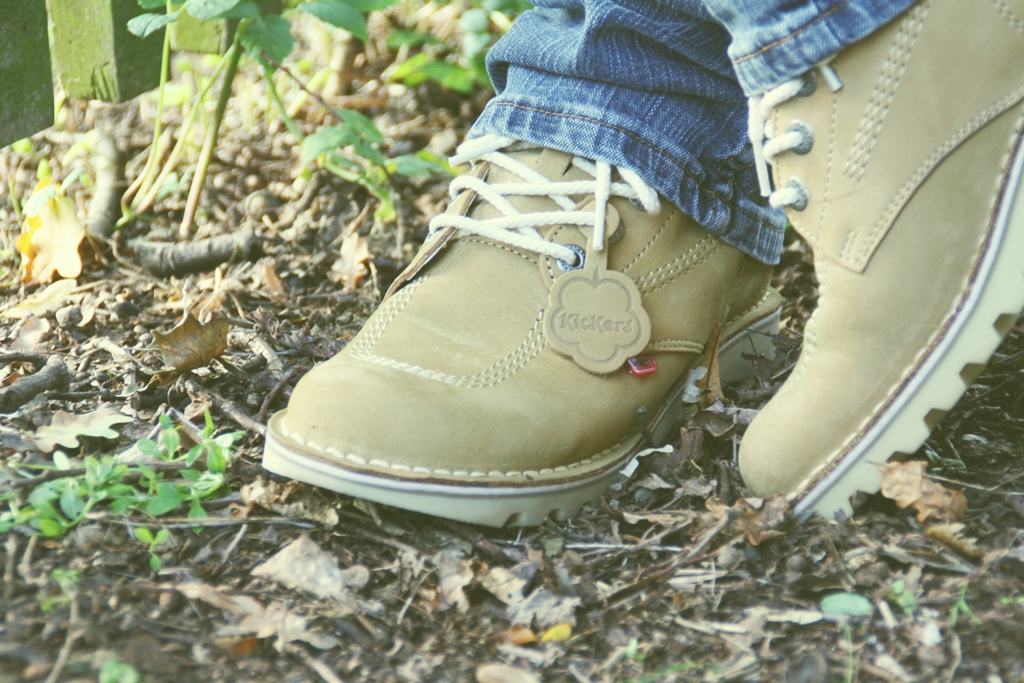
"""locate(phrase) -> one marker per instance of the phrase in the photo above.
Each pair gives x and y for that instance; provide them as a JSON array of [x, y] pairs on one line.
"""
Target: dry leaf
[[352, 266], [272, 621], [950, 536], [517, 635], [453, 574], [503, 584], [65, 428], [557, 633], [711, 384], [503, 673], [758, 518], [190, 345], [908, 485], [290, 499], [44, 301], [303, 565], [49, 243], [544, 607], [30, 336]]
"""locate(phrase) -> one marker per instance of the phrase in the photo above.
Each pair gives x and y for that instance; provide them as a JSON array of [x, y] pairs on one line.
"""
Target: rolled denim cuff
[[778, 45], [565, 118]]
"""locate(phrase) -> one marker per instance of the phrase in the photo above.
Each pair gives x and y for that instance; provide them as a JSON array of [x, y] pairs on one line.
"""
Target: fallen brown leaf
[[65, 428], [304, 565], [190, 345], [44, 301], [30, 336], [49, 243], [453, 574], [352, 265], [711, 384], [758, 518], [908, 484], [273, 621], [950, 535]]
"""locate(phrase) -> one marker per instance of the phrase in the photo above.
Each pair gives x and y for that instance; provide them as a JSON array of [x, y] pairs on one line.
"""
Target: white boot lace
[[768, 145], [518, 229]]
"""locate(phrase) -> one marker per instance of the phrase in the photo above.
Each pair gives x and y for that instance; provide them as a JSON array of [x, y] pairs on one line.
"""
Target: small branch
[[75, 631], [50, 475], [33, 358], [181, 258], [105, 205], [53, 375], [189, 522], [226, 406], [262, 414]]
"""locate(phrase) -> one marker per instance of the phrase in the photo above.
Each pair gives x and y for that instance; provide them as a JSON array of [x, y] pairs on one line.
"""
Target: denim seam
[[685, 171], [792, 35]]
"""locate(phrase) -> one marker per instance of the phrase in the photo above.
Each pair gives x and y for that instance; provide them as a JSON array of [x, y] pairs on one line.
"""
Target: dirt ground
[[675, 575]]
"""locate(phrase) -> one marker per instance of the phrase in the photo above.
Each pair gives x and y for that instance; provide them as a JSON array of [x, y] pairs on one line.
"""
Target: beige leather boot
[[907, 183], [515, 367]]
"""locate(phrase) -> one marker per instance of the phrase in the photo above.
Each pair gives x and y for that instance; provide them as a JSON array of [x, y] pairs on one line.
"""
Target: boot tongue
[[553, 165]]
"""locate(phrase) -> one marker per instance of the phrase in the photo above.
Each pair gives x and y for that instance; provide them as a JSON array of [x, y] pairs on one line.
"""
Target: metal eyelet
[[804, 129], [805, 196], [581, 258], [810, 84], [619, 233]]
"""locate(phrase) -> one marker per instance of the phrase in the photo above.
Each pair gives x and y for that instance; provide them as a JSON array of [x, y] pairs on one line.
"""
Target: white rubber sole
[[985, 317], [526, 504]]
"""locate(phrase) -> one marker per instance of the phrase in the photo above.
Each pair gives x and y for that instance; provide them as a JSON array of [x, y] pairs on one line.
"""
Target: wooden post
[[26, 83], [95, 56]]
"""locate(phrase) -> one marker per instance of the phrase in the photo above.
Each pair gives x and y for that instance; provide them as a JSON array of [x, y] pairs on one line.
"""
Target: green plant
[[146, 536], [116, 671], [66, 581], [902, 598], [59, 504], [961, 606]]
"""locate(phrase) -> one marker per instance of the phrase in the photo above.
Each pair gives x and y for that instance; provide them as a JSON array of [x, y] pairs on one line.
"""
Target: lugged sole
[[986, 317], [499, 506]]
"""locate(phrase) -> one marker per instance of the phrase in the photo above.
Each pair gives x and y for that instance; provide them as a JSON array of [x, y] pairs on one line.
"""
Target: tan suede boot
[[507, 376], [906, 180]]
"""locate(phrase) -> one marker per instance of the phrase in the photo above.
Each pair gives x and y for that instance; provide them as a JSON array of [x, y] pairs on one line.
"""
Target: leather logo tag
[[595, 317]]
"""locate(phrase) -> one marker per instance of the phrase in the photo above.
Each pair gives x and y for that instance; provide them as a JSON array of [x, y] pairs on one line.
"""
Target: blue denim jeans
[[660, 87]]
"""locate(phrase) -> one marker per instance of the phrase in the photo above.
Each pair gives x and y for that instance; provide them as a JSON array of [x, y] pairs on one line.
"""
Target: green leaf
[[271, 34], [161, 537], [846, 605], [38, 200], [400, 37], [371, 5], [147, 472], [326, 140], [222, 9], [71, 504], [193, 454], [190, 475], [171, 442], [149, 447], [215, 461], [50, 527], [338, 14], [144, 535], [167, 498], [121, 505], [61, 460], [453, 76], [147, 24], [152, 4], [155, 563]]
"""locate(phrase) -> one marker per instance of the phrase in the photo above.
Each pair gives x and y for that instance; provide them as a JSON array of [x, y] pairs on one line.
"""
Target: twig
[[261, 346], [234, 543], [105, 205], [53, 375], [226, 406], [319, 667], [11, 548], [182, 258], [79, 471], [74, 633], [190, 522], [33, 358], [262, 414]]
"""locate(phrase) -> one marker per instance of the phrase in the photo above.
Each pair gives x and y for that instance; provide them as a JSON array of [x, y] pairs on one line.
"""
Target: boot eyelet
[[581, 258], [805, 196], [804, 129], [810, 84]]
